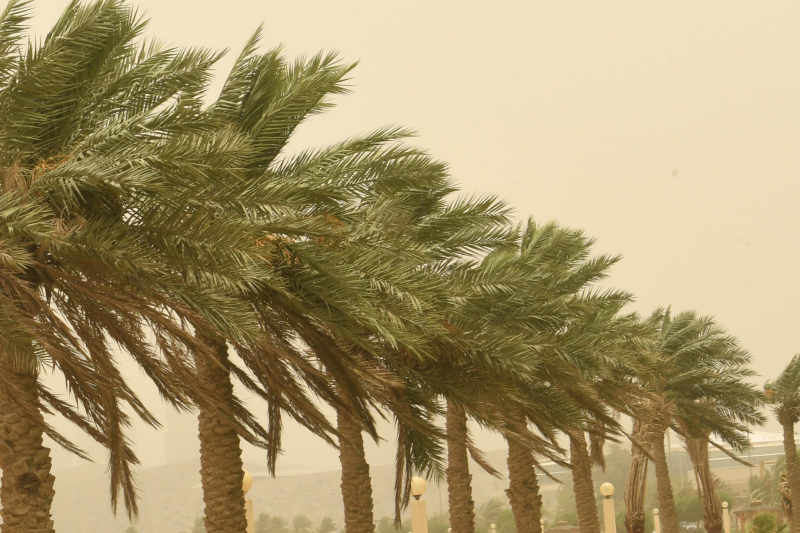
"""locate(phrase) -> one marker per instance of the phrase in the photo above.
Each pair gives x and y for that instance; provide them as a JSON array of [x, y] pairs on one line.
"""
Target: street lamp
[[418, 486], [726, 518], [609, 518], [247, 482], [419, 516]]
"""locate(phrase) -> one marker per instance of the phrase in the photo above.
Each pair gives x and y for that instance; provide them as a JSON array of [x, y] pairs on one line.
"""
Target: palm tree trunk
[[356, 483], [27, 484], [459, 480], [221, 468], [637, 482], [523, 489], [583, 484], [706, 485], [792, 473], [666, 500]]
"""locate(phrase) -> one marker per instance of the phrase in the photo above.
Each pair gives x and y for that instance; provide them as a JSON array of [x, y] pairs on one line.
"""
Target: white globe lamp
[[418, 486]]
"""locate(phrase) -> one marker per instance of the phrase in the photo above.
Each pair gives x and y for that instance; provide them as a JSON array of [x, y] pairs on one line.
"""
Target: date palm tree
[[533, 292], [783, 395], [695, 373], [727, 417], [101, 149], [336, 284], [636, 484], [579, 340], [415, 218], [617, 342], [464, 226]]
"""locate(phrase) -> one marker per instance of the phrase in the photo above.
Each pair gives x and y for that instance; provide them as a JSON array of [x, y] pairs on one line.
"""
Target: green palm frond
[[783, 393]]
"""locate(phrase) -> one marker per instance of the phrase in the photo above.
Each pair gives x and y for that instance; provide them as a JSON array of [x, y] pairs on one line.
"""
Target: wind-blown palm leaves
[[133, 215], [697, 385], [614, 341], [102, 144], [326, 288], [397, 239], [531, 293], [558, 294], [724, 415], [783, 395]]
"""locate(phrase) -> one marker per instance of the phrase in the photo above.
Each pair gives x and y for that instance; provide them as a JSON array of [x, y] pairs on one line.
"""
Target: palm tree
[[696, 373], [616, 340], [531, 293], [728, 417], [459, 480], [325, 287], [301, 524], [97, 141], [636, 484], [271, 524], [258, 99], [783, 394], [397, 390], [326, 526], [572, 335]]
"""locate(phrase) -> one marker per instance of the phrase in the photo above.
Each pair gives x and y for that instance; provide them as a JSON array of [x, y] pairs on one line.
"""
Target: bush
[[764, 523]]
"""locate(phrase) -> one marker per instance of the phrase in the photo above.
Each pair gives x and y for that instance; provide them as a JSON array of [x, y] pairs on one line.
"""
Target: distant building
[[765, 450]]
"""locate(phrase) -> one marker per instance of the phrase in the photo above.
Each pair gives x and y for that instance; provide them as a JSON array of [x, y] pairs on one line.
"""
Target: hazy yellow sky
[[667, 130]]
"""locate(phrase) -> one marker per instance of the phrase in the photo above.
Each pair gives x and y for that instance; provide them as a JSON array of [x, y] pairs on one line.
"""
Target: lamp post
[[247, 482], [609, 517], [656, 521], [419, 516], [726, 518]]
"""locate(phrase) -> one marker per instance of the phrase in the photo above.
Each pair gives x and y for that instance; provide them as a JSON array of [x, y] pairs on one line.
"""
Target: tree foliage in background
[[765, 522]]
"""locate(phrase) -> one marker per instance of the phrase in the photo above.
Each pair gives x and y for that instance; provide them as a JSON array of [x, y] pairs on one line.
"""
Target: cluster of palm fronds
[[136, 216]]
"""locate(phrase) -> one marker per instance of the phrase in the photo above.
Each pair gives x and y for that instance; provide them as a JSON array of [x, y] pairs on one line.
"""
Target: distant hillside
[[171, 498]]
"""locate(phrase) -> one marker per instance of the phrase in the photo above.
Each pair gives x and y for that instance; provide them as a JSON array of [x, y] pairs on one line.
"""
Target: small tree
[[326, 526], [271, 524], [766, 523], [302, 524]]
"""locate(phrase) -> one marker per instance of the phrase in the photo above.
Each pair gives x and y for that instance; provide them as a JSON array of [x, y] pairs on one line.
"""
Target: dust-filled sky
[[667, 130]]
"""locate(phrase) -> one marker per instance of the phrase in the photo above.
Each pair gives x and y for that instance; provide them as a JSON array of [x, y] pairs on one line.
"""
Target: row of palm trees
[[137, 217]]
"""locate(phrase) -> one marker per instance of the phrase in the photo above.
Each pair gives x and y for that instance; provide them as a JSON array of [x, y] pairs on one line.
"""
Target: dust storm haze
[[668, 131]]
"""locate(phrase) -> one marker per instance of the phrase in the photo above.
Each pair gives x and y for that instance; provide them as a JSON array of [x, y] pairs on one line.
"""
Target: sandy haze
[[667, 130]]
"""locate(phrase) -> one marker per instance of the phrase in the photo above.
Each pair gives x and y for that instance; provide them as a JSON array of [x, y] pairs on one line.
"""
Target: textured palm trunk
[[637, 482], [221, 468], [523, 489], [666, 500], [356, 483], [706, 485], [792, 472], [583, 484], [459, 480], [27, 485]]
